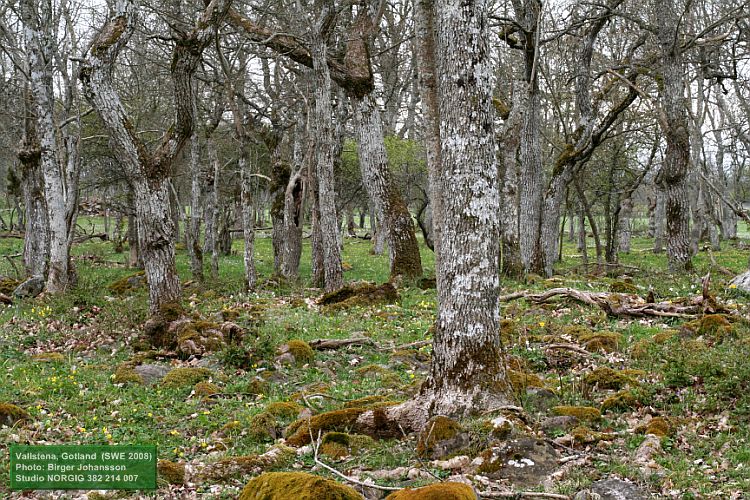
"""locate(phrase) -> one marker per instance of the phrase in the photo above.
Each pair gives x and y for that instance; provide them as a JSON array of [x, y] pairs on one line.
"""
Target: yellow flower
[[174, 432], [206, 412], [82, 429], [149, 414], [733, 285], [109, 436], [542, 323]]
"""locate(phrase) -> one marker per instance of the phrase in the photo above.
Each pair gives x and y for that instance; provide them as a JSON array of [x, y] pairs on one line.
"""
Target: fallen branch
[[316, 445], [621, 304], [569, 347], [17, 236], [86, 237], [323, 344]]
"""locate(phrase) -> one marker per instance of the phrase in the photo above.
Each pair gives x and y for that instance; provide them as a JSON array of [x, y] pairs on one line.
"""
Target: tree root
[[621, 304]]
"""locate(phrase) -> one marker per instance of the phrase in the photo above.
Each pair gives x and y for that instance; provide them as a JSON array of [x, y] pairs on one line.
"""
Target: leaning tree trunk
[[395, 218], [332, 270], [36, 239], [148, 172], [466, 373], [59, 275], [674, 123]]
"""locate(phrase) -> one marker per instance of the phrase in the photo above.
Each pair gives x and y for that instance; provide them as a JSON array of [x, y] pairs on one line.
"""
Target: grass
[[74, 400]]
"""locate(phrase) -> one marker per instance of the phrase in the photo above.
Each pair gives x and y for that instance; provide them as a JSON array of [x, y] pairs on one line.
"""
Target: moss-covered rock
[[524, 462], [576, 331], [437, 491], [607, 378], [206, 389], [580, 412], [441, 437], [299, 351], [664, 336], [231, 467], [621, 400], [340, 444], [623, 287], [601, 341], [520, 380], [584, 435], [10, 414], [125, 374], [262, 427], [658, 426], [186, 377], [128, 284], [296, 485], [298, 433], [714, 327], [171, 472], [284, 410], [255, 386], [359, 294]]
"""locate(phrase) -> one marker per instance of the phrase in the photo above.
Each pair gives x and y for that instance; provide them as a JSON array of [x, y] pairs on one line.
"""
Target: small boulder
[[152, 374], [297, 485], [30, 288], [10, 414], [524, 462], [441, 437], [559, 424], [741, 282], [612, 489]]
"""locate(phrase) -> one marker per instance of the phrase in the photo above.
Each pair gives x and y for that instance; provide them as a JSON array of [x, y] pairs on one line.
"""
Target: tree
[[148, 172]]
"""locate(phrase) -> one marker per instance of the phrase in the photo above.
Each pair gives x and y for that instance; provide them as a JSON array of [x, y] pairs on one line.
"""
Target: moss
[[171, 472], [296, 485], [298, 433], [601, 341], [334, 450], [584, 435], [576, 331], [712, 326], [10, 414], [607, 378], [359, 294], [664, 336], [128, 283], [640, 349], [230, 467], [196, 338], [206, 389], [256, 386], [658, 426], [49, 357], [171, 311], [126, 374], [301, 351], [520, 381], [623, 287], [437, 491], [262, 427], [622, 400], [580, 412], [284, 409], [7, 285], [184, 377], [438, 429], [508, 331]]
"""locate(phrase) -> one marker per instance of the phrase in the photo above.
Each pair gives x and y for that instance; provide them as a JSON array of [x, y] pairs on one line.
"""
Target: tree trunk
[[248, 222], [466, 374], [394, 216], [211, 183], [624, 229], [673, 120], [332, 271], [512, 264], [280, 174], [40, 54], [193, 228], [36, 239], [660, 221]]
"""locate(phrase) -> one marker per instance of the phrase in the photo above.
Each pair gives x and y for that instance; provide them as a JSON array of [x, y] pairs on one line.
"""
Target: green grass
[[75, 400]]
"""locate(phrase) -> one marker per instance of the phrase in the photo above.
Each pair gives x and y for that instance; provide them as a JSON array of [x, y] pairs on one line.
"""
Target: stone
[[151, 374], [741, 282], [559, 424], [540, 399], [30, 288], [524, 462], [612, 489]]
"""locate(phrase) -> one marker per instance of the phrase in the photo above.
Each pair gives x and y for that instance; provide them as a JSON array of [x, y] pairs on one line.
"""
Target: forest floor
[[679, 385]]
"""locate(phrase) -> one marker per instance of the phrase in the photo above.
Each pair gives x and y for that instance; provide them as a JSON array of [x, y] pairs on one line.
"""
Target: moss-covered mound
[[196, 338], [580, 412], [284, 410], [230, 467], [159, 328], [125, 374], [263, 427], [10, 414], [621, 400], [186, 377], [712, 326], [171, 472], [49, 357], [297, 486], [601, 341], [658, 426], [607, 378], [7, 285], [359, 294], [521, 380], [299, 350], [298, 433], [441, 437], [340, 444], [206, 389], [623, 287], [437, 491], [128, 284]]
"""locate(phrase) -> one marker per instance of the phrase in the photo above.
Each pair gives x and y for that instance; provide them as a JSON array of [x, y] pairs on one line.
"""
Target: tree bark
[[148, 172], [512, 264], [466, 373], [193, 229]]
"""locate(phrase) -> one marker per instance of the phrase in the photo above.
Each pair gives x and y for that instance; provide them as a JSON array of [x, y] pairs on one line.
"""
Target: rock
[[741, 282], [437, 491], [612, 489], [644, 455], [30, 288], [297, 485], [540, 399], [152, 374], [525, 462], [458, 462], [562, 423]]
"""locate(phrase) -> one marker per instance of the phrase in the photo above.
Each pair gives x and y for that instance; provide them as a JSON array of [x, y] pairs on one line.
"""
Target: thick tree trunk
[[624, 229], [395, 219], [466, 373], [512, 264], [332, 271], [673, 175], [280, 174], [248, 221], [36, 239], [37, 18], [660, 221], [193, 228]]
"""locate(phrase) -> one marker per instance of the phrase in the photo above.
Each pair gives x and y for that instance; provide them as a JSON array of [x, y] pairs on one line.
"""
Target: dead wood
[[323, 344]]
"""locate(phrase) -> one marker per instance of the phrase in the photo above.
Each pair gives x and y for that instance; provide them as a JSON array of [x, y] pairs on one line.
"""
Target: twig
[[316, 445], [569, 347], [322, 344]]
